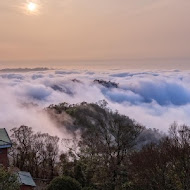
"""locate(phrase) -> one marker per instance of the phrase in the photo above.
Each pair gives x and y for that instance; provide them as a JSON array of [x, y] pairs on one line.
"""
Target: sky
[[95, 39], [94, 30]]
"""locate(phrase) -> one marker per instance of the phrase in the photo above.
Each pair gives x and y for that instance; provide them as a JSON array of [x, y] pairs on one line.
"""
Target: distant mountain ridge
[[25, 69]]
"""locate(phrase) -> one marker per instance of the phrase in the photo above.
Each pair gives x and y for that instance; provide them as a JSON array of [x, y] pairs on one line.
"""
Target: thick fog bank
[[155, 99]]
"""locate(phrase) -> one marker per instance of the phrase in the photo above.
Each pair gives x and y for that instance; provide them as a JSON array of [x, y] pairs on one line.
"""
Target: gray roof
[[25, 178], [5, 141]]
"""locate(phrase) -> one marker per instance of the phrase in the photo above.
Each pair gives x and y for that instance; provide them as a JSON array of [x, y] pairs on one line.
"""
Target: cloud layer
[[155, 99]]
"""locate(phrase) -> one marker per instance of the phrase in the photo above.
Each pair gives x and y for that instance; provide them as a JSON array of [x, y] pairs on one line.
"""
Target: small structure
[[25, 178], [5, 144], [26, 181]]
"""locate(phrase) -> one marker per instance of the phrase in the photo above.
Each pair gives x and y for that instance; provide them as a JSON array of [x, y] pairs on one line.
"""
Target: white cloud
[[155, 99]]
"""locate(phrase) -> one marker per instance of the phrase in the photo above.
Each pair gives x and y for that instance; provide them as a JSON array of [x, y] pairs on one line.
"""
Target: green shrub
[[64, 183], [8, 181], [88, 188]]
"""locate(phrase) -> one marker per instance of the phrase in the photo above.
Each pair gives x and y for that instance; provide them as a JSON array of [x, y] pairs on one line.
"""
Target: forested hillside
[[108, 151]]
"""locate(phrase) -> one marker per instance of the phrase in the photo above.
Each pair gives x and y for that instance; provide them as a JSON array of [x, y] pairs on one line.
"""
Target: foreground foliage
[[64, 183], [34, 152], [8, 181], [165, 165], [111, 152]]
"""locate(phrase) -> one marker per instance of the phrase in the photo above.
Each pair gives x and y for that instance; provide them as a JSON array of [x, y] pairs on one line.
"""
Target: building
[[26, 181], [5, 144]]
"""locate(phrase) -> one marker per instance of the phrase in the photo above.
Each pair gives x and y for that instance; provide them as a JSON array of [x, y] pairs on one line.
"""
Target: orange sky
[[95, 29]]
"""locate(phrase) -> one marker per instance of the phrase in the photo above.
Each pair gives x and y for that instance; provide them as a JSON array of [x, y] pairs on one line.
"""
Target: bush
[[88, 188], [64, 183], [8, 181]]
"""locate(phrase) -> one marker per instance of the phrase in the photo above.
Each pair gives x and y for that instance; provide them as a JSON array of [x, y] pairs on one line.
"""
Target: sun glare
[[32, 7]]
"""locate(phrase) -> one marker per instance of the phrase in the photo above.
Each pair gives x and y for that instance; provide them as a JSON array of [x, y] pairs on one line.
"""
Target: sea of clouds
[[154, 99]]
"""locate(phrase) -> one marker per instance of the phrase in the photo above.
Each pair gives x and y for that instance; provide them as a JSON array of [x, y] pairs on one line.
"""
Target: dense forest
[[108, 151]]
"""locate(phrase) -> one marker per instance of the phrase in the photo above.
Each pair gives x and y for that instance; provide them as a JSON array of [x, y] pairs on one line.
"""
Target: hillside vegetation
[[108, 151]]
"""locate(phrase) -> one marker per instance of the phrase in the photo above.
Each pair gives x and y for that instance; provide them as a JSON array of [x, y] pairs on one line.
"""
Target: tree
[[106, 139], [151, 168], [8, 181], [35, 152], [64, 183], [180, 152], [165, 165]]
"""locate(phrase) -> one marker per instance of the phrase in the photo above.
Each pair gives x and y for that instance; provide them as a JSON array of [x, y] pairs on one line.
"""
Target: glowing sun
[[32, 7]]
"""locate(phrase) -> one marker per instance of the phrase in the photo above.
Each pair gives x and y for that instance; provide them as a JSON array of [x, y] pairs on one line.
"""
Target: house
[[26, 181], [5, 144]]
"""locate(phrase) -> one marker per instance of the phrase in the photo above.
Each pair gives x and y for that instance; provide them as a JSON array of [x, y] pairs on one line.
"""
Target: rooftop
[[25, 178], [5, 141]]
